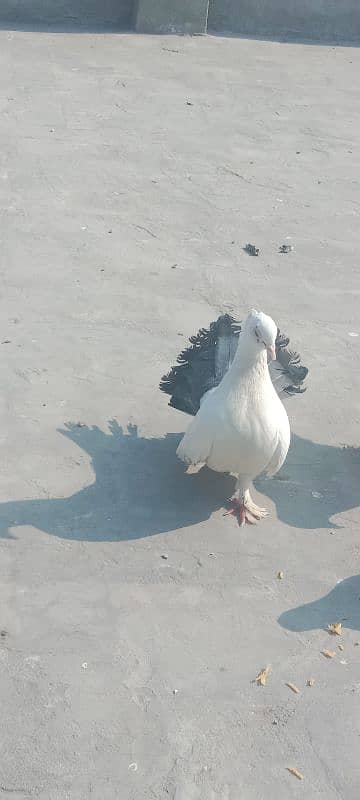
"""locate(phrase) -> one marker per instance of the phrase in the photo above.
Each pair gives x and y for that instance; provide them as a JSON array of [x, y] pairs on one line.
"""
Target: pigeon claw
[[240, 512], [256, 511], [245, 511]]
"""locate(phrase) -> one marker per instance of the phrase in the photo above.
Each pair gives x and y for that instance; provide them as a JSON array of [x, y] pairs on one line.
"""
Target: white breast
[[246, 432], [242, 426]]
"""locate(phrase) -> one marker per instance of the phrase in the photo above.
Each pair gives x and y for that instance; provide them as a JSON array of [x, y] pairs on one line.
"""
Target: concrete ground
[[133, 171]]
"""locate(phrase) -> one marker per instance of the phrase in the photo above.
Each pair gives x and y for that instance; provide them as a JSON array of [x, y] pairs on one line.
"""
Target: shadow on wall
[[67, 16], [312, 22], [140, 489], [274, 20], [342, 604]]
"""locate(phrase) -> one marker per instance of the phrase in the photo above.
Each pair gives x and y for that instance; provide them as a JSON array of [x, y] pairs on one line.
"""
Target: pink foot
[[245, 510], [238, 510]]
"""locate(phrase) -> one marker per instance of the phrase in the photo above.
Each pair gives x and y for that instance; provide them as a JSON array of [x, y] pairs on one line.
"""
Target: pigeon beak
[[271, 352]]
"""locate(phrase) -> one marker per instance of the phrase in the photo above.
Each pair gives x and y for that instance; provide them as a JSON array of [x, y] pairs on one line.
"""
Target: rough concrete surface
[[133, 171]]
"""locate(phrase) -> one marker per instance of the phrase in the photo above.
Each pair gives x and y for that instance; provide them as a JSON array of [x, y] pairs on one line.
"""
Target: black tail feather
[[202, 366]]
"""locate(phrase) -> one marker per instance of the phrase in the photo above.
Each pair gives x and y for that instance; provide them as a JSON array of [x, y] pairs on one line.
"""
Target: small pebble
[[165, 556], [251, 250]]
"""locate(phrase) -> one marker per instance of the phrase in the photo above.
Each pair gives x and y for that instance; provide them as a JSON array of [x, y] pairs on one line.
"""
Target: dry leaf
[[340, 646], [295, 772], [335, 627], [263, 676], [280, 575], [329, 653], [293, 688], [311, 682]]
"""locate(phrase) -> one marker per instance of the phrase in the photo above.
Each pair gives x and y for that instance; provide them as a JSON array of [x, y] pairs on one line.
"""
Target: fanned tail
[[202, 366], [287, 372]]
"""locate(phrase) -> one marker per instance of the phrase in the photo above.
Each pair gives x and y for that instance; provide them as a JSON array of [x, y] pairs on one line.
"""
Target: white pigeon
[[242, 426]]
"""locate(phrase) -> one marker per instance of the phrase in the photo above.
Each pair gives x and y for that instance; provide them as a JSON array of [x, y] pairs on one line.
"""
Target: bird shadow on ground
[[140, 489], [316, 483], [342, 604]]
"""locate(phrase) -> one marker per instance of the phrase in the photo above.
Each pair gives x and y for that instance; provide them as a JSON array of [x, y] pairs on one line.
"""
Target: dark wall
[[309, 19], [67, 13]]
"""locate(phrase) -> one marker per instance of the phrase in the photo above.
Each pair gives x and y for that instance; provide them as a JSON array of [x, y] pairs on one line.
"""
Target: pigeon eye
[[258, 337]]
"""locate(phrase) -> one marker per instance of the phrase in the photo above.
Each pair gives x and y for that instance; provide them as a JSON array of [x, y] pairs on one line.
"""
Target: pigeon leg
[[239, 510], [244, 509]]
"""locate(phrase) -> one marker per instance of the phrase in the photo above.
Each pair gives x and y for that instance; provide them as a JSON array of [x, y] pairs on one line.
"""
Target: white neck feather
[[249, 358]]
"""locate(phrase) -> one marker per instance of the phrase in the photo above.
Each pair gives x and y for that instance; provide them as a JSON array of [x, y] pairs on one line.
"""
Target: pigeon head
[[262, 331]]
